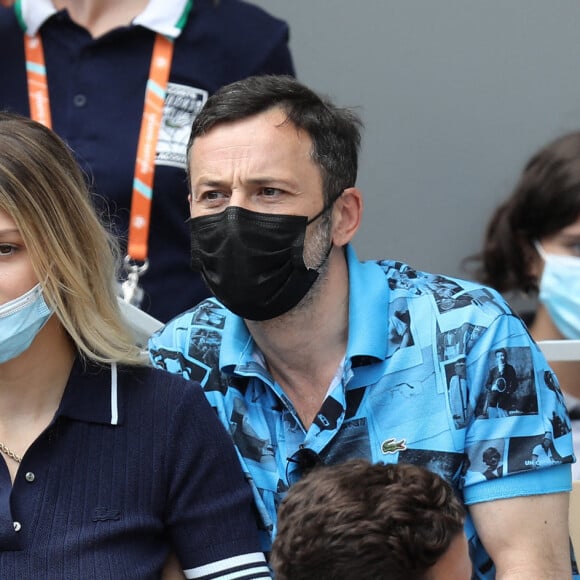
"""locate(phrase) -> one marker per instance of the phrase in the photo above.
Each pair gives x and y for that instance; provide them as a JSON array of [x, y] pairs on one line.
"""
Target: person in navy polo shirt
[[121, 82], [296, 353], [107, 465]]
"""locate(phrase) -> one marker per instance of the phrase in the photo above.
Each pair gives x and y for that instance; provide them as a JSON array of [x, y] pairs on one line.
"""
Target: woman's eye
[[7, 249]]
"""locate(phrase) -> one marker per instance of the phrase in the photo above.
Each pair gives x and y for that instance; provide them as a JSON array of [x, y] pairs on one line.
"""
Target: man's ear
[[347, 214]]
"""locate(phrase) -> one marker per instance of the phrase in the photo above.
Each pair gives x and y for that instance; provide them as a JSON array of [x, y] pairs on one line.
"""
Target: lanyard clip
[[130, 290]]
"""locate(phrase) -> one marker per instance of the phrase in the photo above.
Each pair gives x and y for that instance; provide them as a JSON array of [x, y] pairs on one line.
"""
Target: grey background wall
[[455, 96]]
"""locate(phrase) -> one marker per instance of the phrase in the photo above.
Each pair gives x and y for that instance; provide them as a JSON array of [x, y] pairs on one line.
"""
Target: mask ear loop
[[540, 250], [325, 208]]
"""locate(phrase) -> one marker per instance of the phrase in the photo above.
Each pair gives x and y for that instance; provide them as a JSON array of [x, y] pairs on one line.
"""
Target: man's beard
[[317, 244], [316, 253]]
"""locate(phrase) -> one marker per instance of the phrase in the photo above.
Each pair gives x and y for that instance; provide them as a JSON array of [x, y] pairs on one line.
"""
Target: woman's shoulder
[[155, 382]]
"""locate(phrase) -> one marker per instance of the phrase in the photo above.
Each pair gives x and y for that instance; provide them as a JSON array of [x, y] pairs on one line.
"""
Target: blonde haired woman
[[108, 464]]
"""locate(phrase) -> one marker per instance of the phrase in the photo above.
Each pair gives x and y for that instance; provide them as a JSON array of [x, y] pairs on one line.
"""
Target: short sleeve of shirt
[[535, 406]]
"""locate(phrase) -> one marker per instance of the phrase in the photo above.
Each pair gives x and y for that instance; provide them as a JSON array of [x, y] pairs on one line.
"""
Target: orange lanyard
[[139, 224], [36, 76], [148, 135]]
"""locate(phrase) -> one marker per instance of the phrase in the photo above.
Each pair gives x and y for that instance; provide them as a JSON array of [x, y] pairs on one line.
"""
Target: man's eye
[[210, 196], [270, 191]]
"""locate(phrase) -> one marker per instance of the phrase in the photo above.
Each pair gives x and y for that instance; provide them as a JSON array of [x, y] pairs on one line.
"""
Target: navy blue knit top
[[134, 464]]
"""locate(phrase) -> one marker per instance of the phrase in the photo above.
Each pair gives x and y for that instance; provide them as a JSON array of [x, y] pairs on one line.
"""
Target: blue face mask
[[20, 321], [560, 291]]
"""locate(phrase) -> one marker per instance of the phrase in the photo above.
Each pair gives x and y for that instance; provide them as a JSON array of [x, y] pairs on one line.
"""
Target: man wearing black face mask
[[307, 370]]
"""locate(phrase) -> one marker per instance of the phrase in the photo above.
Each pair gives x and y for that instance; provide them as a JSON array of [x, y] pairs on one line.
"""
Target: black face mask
[[253, 262]]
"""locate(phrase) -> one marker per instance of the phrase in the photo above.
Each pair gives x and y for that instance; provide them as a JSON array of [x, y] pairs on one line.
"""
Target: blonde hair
[[73, 256]]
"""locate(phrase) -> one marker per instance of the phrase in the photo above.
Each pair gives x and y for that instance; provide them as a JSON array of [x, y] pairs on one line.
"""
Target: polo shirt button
[[17, 526], [30, 477], [79, 100]]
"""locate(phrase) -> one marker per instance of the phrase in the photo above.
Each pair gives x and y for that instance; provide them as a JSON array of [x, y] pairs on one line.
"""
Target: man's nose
[[239, 198]]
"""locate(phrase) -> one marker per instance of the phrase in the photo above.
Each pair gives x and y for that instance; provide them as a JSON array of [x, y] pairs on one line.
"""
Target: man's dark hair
[[335, 132], [365, 521]]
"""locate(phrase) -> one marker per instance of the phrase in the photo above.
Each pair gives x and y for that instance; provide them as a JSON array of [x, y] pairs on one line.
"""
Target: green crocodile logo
[[392, 445]]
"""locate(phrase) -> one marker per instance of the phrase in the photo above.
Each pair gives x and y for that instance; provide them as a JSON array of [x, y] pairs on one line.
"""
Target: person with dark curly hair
[[371, 521], [532, 246]]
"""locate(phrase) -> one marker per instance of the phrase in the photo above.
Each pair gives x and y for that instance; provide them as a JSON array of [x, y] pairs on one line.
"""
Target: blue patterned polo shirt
[[394, 398]]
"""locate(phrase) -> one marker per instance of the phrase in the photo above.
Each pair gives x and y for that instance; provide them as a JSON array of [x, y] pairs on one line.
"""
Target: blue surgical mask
[[560, 291], [20, 321]]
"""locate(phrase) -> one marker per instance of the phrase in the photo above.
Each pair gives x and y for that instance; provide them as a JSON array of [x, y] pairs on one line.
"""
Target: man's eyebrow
[[270, 180], [209, 182], [263, 180]]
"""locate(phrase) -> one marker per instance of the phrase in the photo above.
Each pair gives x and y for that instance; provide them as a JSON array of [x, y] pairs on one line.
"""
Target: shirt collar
[[165, 17], [368, 305], [33, 13], [91, 394], [160, 16], [368, 319], [237, 343]]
